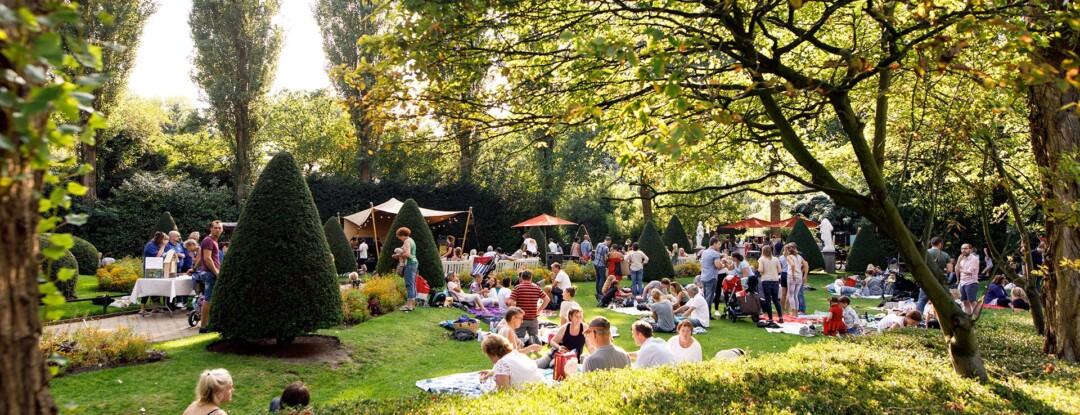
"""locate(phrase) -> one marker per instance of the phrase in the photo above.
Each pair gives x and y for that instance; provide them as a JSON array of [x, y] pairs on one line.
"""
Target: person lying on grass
[[511, 367], [895, 321], [508, 329]]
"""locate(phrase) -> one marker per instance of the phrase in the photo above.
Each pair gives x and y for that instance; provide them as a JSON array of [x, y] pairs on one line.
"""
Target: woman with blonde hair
[[215, 387], [796, 276], [1019, 300]]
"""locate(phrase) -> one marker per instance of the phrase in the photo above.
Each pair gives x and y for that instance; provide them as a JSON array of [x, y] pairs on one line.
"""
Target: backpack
[[463, 335]]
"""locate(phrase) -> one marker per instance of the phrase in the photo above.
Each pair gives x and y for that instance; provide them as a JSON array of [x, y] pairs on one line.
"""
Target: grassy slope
[[390, 353]]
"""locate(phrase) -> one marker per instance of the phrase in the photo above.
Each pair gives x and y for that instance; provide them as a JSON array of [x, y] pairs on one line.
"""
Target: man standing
[[525, 296], [362, 255], [935, 258], [710, 265], [529, 246], [653, 352], [586, 249], [968, 268], [600, 264], [209, 269], [604, 355]]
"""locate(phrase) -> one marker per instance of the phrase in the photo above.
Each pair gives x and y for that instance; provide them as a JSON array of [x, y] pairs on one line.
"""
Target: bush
[[120, 276], [807, 244], [427, 252], [52, 268], [688, 270], [466, 278], [86, 255], [676, 234], [541, 242], [541, 275], [659, 265], [354, 308], [89, 347], [578, 273], [388, 289], [344, 256], [866, 250], [279, 281], [165, 224]]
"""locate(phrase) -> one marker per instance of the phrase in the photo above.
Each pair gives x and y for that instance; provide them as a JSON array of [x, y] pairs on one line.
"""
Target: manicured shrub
[[676, 234], [465, 279], [388, 290], [659, 265], [866, 250], [581, 232], [52, 268], [86, 255], [541, 242], [344, 256], [688, 270], [90, 347], [427, 252], [165, 224], [354, 308], [278, 281], [577, 272], [120, 276], [541, 275], [808, 247]]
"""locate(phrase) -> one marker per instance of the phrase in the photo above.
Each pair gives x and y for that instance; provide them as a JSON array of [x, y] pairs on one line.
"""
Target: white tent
[[377, 220]]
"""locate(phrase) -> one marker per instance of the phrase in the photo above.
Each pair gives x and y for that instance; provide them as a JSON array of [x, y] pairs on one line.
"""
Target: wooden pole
[[374, 230], [466, 234]]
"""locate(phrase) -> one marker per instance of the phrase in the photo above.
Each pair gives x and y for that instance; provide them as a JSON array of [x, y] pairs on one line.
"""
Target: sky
[[163, 61]]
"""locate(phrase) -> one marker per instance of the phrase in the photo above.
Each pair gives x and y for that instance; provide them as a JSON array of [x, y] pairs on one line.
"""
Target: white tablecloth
[[163, 287]]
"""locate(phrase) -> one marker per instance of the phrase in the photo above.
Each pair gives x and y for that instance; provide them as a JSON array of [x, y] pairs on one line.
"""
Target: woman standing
[[615, 258], [408, 253], [796, 276], [769, 267], [214, 388], [636, 260]]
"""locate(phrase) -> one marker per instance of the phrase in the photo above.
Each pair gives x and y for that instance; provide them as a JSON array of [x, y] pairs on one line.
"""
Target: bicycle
[[196, 313]]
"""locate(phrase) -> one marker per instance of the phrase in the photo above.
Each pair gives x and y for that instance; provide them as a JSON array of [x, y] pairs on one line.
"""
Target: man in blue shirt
[[710, 262], [600, 263]]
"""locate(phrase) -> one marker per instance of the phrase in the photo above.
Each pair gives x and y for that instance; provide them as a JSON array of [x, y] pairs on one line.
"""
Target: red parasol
[[790, 223], [543, 220], [747, 223]]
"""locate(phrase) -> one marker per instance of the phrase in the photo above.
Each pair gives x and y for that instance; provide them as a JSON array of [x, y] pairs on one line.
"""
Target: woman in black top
[[571, 337]]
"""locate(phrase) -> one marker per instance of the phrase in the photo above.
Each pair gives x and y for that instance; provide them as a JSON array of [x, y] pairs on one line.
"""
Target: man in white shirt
[[490, 252], [559, 285], [530, 246], [553, 247], [654, 351], [696, 310], [362, 255]]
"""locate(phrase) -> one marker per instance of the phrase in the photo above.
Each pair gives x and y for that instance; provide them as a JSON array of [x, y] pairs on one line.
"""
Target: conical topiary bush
[[581, 232], [659, 265], [344, 258], [87, 256], [165, 224], [866, 250], [427, 252], [808, 247], [676, 234], [541, 242], [278, 281]]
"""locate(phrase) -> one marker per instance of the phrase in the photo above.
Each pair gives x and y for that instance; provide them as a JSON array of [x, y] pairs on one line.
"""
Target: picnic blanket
[[791, 328], [490, 312], [633, 311], [467, 384]]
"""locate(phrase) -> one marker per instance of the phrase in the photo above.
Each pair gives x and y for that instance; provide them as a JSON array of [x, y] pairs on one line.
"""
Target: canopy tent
[[543, 220], [747, 223], [379, 218], [790, 223]]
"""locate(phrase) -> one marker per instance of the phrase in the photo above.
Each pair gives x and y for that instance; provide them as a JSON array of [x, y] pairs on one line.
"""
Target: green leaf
[[66, 274], [48, 46], [46, 225], [54, 252], [76, 189], [62, 240], [6, 144]]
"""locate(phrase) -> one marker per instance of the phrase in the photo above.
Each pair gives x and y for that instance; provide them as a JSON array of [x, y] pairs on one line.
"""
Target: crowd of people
[[215, 387], [202, 260]]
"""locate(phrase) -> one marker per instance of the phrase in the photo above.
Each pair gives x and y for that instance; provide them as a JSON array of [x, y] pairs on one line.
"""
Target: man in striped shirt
[[526, 296]]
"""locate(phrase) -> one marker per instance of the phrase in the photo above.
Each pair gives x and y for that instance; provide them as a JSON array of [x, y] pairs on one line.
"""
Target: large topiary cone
[[52, 273], [676, 234], [278, 281], [866, 250], [659, 265], [808, 247], [344, 256], [581, 232], [86, 255], [541, 242], [165, 224], [427, 252]]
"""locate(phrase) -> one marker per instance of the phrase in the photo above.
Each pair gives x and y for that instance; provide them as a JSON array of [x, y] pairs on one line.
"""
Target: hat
[[870, 268]]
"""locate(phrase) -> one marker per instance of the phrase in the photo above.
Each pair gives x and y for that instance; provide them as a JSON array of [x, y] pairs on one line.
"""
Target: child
[[354, 279], [851, 318], [567, 304], [834, 322], [295, 396], [401, 261]]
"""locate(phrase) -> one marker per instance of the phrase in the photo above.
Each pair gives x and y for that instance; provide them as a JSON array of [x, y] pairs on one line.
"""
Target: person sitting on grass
[[453, 285], [679, 296], [895, 321], [570, 337], [697, 310], [604, 355], [214, 388], [295, 396], [842, 287], [834, 322], [568, 304], [664, 285], [662, 313], [995, 293], [653, 352], [685, 347], [612, 292], [851, 317], [1019, 300], [873, 285], [508, 329], [511, 367]]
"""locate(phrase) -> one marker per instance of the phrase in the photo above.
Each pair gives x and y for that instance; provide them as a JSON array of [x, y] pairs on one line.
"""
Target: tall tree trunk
[[774, 216], [90, 179], [547, 172], [646, 201], [1055, 134], [243, 155], [466, 156]]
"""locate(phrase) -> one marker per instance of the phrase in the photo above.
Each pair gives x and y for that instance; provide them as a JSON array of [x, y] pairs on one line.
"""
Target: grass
[[87, 287], [391, 352]]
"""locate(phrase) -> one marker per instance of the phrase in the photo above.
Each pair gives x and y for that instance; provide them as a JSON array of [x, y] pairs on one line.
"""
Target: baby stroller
[[739, 304]]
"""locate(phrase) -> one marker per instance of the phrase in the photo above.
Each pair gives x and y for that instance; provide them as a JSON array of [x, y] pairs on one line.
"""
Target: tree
[[284, 288], [659, 265], [427, 252], [866, 250], [35, 149], [165, 224], [124, 28], [86, 255], [312, 127], [676, 234], [236, 53], [344, 256], [343, 23]]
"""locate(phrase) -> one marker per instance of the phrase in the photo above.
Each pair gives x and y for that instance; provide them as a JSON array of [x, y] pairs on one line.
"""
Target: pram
[[739, 304], [902, 288]]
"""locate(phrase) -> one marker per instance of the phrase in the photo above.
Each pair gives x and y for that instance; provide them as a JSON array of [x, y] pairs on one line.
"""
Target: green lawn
[[389, 354], [87, 287]]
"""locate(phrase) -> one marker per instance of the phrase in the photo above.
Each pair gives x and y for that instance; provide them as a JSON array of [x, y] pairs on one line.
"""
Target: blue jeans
[[921, 304], [410, 280], [710, 290], [601, 275], [802, 299], [635, 282]]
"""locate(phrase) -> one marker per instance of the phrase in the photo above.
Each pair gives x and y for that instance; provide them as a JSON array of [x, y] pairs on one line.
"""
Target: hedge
[[676, 234], [165, 224], [427, 252], [278, 281], [86, 255], [866, 250], [659, 265], [344, 256], [52, 269], [807, 244]]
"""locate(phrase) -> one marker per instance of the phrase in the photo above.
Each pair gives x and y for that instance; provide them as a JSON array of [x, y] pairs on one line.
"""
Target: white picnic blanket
[[633, 311], [797, 329], [467, 384]]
